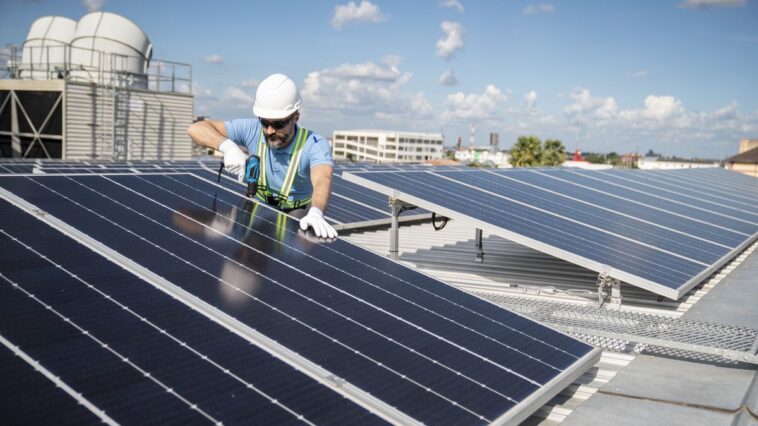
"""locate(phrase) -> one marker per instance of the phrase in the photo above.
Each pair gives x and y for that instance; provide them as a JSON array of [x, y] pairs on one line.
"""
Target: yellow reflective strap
[[289, 179]]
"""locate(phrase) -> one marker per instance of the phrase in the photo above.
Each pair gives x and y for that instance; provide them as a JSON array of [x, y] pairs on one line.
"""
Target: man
[[296, 164]]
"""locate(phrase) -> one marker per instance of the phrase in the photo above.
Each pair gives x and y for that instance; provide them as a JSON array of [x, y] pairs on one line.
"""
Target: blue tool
[[252, 173]]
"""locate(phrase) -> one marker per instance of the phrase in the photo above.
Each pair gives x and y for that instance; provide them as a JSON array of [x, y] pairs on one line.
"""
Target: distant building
[[745, 162], [499, 158], [494, 142], [660, 163], [747, 145], [383, 146]]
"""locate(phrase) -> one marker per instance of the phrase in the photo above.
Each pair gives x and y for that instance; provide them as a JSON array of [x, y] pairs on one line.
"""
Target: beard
[[278, 140]]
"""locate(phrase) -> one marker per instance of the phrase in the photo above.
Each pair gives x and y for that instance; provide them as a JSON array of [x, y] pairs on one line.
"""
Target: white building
[[384, 146], [658, 163], [499, 158]]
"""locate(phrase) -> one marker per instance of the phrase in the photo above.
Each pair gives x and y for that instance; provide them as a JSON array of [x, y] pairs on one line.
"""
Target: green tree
[[553, 153], [526, 152]]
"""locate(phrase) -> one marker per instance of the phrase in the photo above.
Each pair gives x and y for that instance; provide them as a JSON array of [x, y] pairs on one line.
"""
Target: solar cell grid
[[653, 238], [421, 346]]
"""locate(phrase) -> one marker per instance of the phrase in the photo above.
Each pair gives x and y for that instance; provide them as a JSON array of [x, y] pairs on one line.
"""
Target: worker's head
[[277, 102]]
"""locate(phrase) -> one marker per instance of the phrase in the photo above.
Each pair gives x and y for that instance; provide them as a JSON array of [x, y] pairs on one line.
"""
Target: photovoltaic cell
[[607, 221], [83, 317], [428, 350]]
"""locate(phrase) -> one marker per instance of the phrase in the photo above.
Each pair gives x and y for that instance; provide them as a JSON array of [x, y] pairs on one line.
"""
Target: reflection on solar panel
[[399, 345], [662, 231]]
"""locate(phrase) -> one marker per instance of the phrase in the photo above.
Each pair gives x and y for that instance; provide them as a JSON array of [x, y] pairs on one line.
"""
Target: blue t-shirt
[[316, 150]]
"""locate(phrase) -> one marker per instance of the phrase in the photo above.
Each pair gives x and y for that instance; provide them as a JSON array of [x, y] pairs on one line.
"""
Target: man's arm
[[321, 178], [209, 133], [213, 134]]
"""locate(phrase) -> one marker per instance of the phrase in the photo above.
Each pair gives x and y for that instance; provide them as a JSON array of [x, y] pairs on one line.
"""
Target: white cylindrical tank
[[46, 47], [107, 46]]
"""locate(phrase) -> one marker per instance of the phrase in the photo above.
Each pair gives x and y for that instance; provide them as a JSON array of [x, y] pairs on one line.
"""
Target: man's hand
[[315, 219], [234, 158]]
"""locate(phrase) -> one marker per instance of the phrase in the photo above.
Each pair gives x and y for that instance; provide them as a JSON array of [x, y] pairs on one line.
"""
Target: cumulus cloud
[[448, 78], [705, 4], [249, 83], [93, 5], [534, 9], [656, 108], [453, 40], [213, 59], [530, 102], [474, 106], [455, 4], [366, 89], [586, 105], [238, 95], [728, 112], [356, 14]]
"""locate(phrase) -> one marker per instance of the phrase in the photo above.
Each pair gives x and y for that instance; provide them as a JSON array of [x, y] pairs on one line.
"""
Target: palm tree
[[526, 152], [553, 153]]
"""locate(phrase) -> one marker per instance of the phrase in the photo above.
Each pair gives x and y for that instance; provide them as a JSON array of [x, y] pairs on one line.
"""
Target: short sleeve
[[242, 131], [320, 152]]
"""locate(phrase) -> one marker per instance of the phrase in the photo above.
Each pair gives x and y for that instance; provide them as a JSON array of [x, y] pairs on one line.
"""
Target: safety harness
[[281, 199]]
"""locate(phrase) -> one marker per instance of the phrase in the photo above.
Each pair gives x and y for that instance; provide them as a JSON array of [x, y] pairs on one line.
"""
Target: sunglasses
[[277, 124]]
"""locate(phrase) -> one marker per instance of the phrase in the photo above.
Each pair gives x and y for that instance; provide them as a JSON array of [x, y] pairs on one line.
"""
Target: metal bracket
[[479, 244], [604, 282], [397, 206]]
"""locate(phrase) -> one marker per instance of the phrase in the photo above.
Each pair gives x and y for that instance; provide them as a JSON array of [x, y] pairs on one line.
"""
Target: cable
[[434, 224]]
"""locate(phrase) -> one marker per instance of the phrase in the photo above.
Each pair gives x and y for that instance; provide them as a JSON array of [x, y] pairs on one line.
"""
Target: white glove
[[234, 158], [315, 220]]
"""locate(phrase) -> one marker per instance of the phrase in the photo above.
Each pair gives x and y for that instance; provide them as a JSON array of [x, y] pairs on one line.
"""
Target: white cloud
[[356, 14], [238, 95], [213, 59], [639, 73], [534, 9], [93, 5], [249, 83], [585, 105], [530, 102], [453, 4], [366, 89], [473, 106], [448, 78], [656, 108], [453, 40], [705, 4], [728, 112]]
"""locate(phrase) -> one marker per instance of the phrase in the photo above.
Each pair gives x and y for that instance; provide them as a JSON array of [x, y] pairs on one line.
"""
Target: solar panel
[[409, 346], [128, 352], [608, 222]]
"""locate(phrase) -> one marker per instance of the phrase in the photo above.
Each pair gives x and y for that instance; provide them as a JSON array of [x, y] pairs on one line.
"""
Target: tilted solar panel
[[614, 222], [408, 345]]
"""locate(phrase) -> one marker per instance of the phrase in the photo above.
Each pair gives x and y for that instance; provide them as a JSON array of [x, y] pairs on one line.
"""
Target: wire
[[434, 223]]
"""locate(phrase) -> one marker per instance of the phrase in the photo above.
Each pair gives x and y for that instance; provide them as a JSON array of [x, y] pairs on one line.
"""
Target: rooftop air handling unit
[[110, 49], [88, 90], [45, 50]]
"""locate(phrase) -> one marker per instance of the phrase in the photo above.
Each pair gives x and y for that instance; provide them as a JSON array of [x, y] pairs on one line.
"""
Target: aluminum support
[[395, 228], [479, 246], [15, 139]]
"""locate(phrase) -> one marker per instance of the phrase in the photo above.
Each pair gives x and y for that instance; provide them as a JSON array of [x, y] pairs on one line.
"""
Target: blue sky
[[678, 77]]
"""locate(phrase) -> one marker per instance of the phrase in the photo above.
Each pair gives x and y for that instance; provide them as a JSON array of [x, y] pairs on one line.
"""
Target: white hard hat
[[277, 97]]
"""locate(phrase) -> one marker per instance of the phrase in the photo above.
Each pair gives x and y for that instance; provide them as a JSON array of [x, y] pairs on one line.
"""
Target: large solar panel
[[402, 346], [652, 230]]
